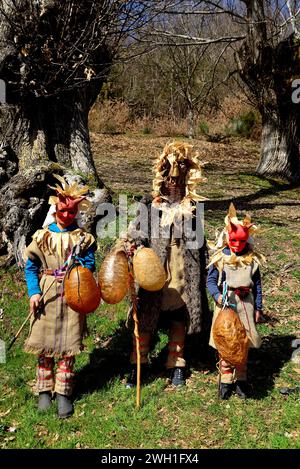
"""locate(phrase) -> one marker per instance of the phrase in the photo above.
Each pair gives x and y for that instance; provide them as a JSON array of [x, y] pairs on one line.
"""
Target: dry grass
[[110, 117], [125, 164], [116, 117]]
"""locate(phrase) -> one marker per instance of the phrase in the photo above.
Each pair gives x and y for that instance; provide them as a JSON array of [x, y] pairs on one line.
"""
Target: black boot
[[225, 390], [132, 378], [242, 389], [44, 400], [64, 406], [178, 376]]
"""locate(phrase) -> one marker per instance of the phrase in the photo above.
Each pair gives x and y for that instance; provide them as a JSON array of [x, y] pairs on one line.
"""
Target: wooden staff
[[137, 338], [28, 317]]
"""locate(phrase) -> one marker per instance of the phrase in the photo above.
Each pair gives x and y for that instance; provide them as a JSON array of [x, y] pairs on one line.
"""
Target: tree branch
[[192, 40]]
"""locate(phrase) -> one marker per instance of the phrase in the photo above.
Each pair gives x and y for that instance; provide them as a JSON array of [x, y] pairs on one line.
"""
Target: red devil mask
[[67, 209], [237, 237]]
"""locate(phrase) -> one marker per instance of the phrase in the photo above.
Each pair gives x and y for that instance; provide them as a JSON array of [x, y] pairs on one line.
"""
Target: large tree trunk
[[47, 51], [269, 69], [49, 129], [40, 138], [280, 116], [280, 147]]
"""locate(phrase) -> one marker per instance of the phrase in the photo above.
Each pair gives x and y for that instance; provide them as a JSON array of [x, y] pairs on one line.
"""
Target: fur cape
[[198, 314]]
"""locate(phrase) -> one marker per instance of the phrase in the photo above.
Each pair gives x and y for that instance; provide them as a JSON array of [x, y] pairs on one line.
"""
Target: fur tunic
[[194, 293]]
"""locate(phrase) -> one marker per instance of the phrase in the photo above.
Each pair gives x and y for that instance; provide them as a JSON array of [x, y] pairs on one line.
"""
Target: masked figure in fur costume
[[181, 305], [236, 263], [56, 330]]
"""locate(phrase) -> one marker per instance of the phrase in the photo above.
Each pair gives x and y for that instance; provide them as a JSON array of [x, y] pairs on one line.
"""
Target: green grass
[[193, 417], [296, 274], [105, 413]]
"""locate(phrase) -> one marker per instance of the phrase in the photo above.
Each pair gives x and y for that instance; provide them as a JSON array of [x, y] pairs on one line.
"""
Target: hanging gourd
[[230, 337], [81, 290], [149, 272], [114, 277]]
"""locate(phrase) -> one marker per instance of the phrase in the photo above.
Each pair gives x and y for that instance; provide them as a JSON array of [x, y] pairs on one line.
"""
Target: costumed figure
[[234, 282], [56, 330], [181, 305]]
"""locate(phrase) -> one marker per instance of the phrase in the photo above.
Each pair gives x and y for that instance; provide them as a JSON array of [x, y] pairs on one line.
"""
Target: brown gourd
[[148, 270], [81, 290], [114, 277], [230, 337]]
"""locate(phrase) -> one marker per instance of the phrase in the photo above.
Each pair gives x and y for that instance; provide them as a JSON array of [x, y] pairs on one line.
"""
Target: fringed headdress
[[72, 191], [167, 165], [67, 193]]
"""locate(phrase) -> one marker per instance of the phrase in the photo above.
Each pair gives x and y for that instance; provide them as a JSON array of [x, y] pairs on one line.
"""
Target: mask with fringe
[[233, 230], [178, 173], [70, 199]]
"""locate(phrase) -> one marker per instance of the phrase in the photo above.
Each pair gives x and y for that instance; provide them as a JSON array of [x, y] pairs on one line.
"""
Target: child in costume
[[181, 305], [56, 330], [236, 263]]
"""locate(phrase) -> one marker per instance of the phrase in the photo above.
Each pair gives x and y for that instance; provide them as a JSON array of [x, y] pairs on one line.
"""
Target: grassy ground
[[105, 414]]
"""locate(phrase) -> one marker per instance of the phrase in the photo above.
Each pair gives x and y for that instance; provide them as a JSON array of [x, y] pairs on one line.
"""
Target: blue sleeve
[[257, 290], [212, 282], [32, 277], [88, 258]]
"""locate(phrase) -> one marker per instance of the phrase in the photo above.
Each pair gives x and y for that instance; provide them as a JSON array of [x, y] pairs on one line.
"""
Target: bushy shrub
[[146, 130], [242, 124], [142, 125], [203, 128], [110, 117], [169, 127]]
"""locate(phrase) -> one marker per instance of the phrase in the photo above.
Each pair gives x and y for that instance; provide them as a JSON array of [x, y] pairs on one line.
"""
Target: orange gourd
[[230, 337], [148, 270], [114, 277], [81, 290]]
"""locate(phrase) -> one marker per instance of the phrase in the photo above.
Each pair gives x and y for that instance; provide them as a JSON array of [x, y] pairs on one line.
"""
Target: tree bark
[[191, 123], [281, 116], [268, 69], [280, 147], [46, 137], [44, 123]]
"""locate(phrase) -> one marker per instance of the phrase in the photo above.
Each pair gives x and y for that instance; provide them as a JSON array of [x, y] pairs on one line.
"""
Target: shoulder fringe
[[52, 242], [219, 259]]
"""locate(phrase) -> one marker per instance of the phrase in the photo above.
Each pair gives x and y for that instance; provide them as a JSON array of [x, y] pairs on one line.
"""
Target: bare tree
[[54, 57], [194, 69], [268, 63], [175, 73], [265, 42]]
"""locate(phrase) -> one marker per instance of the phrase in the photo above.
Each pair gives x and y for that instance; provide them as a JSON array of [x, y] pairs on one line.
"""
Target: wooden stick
[[19, 331], [137, 340], [27, 319]]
